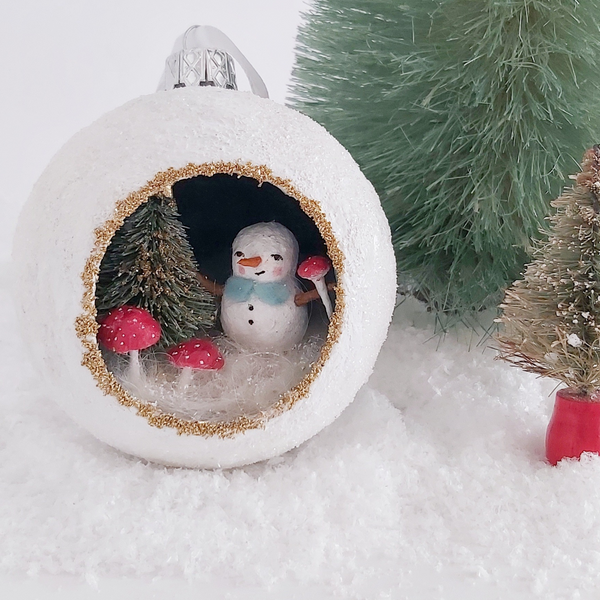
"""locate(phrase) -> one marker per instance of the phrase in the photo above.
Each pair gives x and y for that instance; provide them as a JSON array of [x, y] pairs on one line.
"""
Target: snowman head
[[265, 252]]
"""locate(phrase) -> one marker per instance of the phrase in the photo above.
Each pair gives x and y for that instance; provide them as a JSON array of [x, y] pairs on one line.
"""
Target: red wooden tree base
[[574, 427]]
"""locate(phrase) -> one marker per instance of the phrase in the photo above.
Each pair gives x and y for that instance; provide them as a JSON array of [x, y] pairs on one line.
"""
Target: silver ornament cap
[[204, 56]]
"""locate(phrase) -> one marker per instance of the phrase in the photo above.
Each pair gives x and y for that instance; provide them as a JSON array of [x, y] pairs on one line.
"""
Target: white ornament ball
[[142, 148]]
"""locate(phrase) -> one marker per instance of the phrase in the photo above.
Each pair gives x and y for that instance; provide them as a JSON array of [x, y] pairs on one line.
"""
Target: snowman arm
[[212, 286], [305, 297]]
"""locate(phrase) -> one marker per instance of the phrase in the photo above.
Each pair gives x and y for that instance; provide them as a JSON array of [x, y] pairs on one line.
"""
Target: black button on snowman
[[263, 306]]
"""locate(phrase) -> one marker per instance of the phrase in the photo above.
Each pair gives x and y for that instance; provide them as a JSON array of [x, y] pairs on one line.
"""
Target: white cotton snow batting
[[116, 157]]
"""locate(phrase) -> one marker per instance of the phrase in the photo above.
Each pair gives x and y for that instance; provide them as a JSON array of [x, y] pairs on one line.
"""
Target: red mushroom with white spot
[[314, 268], [195, 355], [129, 329]]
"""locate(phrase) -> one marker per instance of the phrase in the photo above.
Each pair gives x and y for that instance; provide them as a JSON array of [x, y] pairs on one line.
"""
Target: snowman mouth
[[259, 273]]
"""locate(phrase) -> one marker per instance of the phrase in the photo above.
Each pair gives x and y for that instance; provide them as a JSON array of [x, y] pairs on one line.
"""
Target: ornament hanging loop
[[204, 56]]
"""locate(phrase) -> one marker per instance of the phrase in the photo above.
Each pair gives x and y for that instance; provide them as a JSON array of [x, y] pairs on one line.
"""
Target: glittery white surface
[[431, 485], [116, 156]]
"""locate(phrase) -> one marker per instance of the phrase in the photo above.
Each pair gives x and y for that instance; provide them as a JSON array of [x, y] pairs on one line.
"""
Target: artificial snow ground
[[437, 466]]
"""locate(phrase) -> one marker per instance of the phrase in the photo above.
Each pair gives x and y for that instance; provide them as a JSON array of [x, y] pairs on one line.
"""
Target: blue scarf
[[239, 289]]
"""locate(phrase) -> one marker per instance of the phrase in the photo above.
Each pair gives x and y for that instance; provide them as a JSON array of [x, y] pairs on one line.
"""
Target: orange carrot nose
[[250, 262]]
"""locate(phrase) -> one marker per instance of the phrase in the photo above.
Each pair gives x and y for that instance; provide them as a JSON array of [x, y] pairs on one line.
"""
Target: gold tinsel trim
[[86, 326]]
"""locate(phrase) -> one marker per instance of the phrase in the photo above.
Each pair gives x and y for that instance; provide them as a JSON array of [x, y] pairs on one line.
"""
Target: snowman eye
[[238, 253], [277, 256]]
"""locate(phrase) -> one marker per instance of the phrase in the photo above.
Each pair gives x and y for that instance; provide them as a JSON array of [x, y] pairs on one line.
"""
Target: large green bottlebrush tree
[[150, 264], [464, 114]]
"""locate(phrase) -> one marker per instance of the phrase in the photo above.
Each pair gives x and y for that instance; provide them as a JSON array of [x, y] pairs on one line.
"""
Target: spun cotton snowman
[[258, 310]]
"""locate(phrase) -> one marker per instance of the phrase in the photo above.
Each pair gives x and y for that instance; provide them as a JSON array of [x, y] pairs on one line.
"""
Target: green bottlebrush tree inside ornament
[[551, 317], [150, 264], [464, 114]]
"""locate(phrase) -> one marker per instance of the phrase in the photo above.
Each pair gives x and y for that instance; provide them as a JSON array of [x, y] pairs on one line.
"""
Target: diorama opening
[[215, 302]]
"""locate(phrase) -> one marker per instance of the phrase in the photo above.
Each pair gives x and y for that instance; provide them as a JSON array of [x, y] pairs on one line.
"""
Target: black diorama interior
[[215, 209]]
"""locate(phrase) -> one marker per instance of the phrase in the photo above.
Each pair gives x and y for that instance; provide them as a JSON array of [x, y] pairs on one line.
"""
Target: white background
[[65, 63]]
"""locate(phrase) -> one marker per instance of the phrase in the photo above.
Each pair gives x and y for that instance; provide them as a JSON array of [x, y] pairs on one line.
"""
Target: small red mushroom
[[314, 268], [195, 355], [129, 329]]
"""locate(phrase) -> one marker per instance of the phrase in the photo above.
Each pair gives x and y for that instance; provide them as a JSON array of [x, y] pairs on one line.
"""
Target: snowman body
[[258, 310]]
